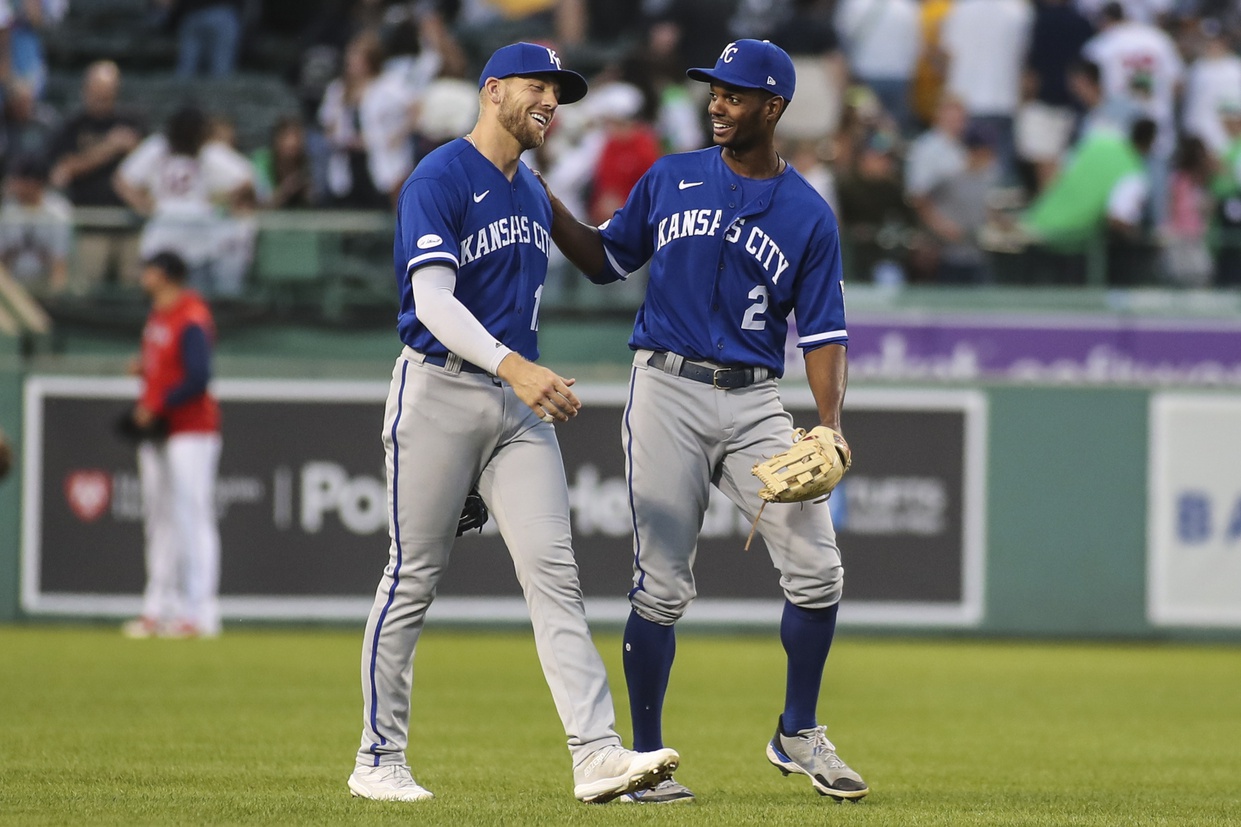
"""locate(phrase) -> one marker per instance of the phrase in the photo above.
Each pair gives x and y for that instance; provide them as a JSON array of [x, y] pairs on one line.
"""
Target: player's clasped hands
[[547, 393]]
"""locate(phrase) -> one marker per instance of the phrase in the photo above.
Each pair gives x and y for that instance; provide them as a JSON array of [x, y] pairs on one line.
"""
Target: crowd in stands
[[950, 136]]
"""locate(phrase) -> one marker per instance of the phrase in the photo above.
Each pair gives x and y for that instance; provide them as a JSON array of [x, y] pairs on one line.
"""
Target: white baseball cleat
[[389, 782], [613, 771]]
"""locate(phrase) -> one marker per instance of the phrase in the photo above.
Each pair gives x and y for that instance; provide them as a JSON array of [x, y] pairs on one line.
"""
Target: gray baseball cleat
[[667, 791], [388, 782], [612, 771], [811, 754]]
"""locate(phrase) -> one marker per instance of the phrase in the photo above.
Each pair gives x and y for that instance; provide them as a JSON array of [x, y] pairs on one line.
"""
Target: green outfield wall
[[1067, 489]]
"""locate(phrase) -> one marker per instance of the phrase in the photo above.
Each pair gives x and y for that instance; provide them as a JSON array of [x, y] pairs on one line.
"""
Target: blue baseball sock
[[807, 637], [649, 650]]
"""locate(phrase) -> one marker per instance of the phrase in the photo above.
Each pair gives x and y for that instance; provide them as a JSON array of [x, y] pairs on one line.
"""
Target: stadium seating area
[[324, 260]]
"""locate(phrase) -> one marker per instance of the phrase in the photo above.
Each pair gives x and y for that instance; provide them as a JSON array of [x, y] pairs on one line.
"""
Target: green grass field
[[260, 727]]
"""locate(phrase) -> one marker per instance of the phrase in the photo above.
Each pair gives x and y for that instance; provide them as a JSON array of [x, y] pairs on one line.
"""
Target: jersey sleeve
[[819, 298], [429, 222], [627, 241], [139, 167]]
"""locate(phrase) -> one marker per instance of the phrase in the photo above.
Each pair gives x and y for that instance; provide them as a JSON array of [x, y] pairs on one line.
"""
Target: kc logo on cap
[[752, 64], [524, 59]]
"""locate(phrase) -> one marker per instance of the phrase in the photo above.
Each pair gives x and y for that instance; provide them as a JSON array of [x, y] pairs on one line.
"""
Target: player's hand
[[143, 417], [551, 195], [547, 393]]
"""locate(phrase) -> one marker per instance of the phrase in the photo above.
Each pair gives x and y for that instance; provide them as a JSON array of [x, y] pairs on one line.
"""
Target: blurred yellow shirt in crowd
[[928, 79], [514, 9]]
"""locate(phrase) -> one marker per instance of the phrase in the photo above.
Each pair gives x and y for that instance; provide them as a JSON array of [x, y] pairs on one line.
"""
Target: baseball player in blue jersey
[[469, 407], [736, 240]]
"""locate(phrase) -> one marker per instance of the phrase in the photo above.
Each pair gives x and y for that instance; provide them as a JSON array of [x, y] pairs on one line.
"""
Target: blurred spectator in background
[[93, 141], [629, 148], [36, 228], [85, 156], [341, 115], [804, 29], [1186, 258], [388, 109], [810, 158], [1141, 11], [935, 158], [936, 155], [482, 26], [929, 72], [874, 214], [31, 18], [282, 175], [1139, 63], [1213, 79], [1048, 115], [962, 200], [222, 129], [882, 41], [1226, 187], [6, 28], [1104, 185], [446, 110], [986, 42], [1116, 114], [29, 125], [208, 35], [1057, 35], [686, 33], [193, 189]]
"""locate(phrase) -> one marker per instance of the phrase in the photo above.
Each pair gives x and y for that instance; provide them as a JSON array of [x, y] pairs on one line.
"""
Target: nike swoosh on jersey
[[479, 196], [684, 185]]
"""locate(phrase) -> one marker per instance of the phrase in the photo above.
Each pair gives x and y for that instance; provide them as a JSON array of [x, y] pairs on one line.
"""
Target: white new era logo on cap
[[771, 81]]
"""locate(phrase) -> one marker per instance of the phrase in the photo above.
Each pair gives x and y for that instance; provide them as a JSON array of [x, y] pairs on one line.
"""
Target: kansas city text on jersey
[[513, 229], [688, 223]]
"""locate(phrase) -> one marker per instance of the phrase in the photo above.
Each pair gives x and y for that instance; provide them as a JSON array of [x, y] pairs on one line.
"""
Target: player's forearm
[[827, 371], [580, 243]]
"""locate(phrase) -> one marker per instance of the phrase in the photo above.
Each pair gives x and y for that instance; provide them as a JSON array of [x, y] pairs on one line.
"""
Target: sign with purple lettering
[[1071, 349]]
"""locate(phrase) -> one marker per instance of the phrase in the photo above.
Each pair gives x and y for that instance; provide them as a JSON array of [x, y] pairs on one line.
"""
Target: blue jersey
[[458, 209], [730, 258]]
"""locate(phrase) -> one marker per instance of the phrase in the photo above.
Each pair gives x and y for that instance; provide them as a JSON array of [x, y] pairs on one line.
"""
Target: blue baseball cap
[[526, 59], [752, 64]]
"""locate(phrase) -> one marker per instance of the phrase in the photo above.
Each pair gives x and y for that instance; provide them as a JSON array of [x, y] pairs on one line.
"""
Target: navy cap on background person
[[752, 64], [525, 59]]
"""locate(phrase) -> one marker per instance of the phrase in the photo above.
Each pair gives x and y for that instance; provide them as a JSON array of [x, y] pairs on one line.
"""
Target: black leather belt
[[442, 362], [725, 379]]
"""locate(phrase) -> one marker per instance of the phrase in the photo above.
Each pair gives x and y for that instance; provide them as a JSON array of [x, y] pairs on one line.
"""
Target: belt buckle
[[715, 379]]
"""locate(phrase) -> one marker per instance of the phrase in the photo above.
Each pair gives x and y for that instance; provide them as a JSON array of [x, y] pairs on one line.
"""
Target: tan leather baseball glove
[[810, 469]]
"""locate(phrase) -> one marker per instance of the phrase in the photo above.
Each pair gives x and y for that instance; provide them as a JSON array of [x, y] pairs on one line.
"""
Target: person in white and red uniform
[[178, 461]]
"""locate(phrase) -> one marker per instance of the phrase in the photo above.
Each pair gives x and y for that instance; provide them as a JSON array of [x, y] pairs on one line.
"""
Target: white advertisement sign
[[1194, 536]]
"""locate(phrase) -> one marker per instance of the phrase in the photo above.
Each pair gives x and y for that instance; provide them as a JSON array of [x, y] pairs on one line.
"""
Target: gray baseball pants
[[681, 436], [442, 431]]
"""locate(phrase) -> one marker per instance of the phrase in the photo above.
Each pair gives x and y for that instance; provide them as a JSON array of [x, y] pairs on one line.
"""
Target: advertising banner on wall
[[1041, 349], [304, 527], [1194, 535]]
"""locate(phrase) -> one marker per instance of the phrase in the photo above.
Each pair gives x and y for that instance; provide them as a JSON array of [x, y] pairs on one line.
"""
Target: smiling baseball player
[[468, 406], [736, 240]]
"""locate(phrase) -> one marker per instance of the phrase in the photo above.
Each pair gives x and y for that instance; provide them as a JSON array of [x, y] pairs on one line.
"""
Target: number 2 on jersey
[[753, 319]]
